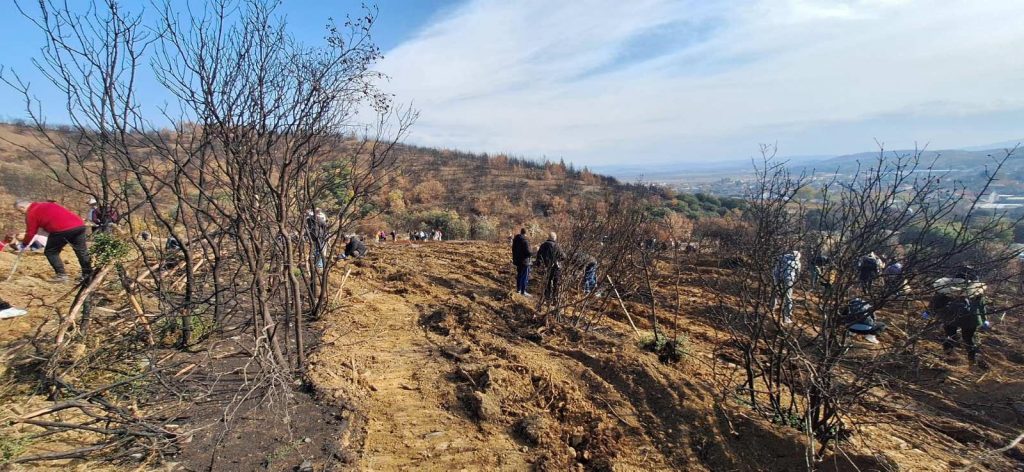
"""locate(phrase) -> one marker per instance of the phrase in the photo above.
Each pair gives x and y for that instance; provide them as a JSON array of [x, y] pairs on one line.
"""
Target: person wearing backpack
[[859, 317], [867, 271], [960, 304], [784, 276]]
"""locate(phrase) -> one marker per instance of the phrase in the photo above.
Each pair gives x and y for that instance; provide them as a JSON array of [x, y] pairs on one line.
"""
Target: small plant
[[669, 351], [106, 249], [202, 326], [789, 419], [12, 447]]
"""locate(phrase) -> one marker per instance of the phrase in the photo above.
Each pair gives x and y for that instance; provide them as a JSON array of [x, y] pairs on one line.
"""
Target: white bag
[[11, 313]]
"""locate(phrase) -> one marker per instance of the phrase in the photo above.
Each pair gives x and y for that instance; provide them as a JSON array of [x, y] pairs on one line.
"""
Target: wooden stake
[[140, 315], [623, 305], [337, 295]]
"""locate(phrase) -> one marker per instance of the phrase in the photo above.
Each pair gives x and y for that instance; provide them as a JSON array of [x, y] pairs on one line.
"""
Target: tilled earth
[[431, 362], [448, 370]]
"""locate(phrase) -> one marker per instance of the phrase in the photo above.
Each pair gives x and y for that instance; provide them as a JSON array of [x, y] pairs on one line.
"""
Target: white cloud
[[603, 82]]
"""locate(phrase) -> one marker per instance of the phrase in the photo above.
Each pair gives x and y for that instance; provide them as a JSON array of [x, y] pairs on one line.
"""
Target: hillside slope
[[449, 371]]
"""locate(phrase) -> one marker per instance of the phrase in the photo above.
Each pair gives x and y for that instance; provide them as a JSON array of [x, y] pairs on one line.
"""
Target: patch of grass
[[12, 446], [168, 327], [281, 452], [669, 351], [792, 420]]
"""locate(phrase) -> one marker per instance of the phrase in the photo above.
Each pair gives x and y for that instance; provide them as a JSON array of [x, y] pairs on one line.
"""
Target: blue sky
[[604, 82]]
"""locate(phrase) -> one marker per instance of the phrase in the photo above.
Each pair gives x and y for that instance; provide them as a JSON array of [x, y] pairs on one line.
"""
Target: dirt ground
[[257, 434], [431, 362], [451, 373]]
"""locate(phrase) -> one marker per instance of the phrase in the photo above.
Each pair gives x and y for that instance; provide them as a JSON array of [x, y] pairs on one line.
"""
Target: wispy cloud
[[603, 82]]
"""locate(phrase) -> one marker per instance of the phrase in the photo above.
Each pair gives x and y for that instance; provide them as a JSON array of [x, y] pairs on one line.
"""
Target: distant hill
[[485, 196], [466, 195], [966, 164], [1000, 145], [951, 159]]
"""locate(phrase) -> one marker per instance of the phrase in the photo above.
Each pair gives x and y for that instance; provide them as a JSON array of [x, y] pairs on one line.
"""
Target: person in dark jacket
[[354, 247], [959, 302], [868, 269], [550, 257], [820, 265], [521, 255], [64, 227], [316, 230]]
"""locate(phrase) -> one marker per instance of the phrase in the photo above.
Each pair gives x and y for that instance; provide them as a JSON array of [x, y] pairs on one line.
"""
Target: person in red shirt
[[64, 227]]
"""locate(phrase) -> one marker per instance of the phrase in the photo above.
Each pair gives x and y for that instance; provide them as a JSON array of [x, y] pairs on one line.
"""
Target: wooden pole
[[623, 305], [15, 266]]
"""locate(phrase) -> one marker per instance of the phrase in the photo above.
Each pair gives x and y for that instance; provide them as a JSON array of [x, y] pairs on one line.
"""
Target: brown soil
[[232, 425], [431, 362], [450, 372]]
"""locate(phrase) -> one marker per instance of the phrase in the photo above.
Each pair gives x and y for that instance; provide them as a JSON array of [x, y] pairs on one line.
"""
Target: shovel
[[14, 267]]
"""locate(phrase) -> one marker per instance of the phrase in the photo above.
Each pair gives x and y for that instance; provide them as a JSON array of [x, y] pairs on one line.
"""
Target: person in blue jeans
[[589, 273], [521, 255]]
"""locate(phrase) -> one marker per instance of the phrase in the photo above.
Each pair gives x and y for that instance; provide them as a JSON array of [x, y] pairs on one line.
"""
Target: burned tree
[[262, 131], [804, 374]]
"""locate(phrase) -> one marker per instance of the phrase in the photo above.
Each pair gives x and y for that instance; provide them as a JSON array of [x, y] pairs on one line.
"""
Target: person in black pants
[[64, 227], [77, 239], [550, 257], [521, 255]]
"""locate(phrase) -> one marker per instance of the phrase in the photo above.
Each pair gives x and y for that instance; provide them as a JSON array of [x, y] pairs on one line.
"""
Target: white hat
[[92, 201]]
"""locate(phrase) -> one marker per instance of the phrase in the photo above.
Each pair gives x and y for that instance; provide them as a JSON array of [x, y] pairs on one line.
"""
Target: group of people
[[54, 227], [61, 227], [51, 227], [432, 235], [958, 302], [318, 233], [550, 259]]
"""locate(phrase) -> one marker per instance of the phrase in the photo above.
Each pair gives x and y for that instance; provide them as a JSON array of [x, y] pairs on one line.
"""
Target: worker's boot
[[972, 353], [59, 279], [949, 345]]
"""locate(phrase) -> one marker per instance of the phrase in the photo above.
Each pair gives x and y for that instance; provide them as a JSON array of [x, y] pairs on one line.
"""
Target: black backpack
[[869, 264], [958, 307]]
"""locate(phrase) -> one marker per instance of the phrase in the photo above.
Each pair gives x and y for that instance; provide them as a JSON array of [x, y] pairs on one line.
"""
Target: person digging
[[64, 228]]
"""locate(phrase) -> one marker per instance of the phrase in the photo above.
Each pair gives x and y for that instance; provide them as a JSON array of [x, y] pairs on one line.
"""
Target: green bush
[[483, 228], [669, 351], [106, 249], [448, 221], [939, 237]]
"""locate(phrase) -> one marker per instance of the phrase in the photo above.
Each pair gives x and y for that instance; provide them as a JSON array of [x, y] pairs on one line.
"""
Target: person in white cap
[[101, 218], [91, 216]]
